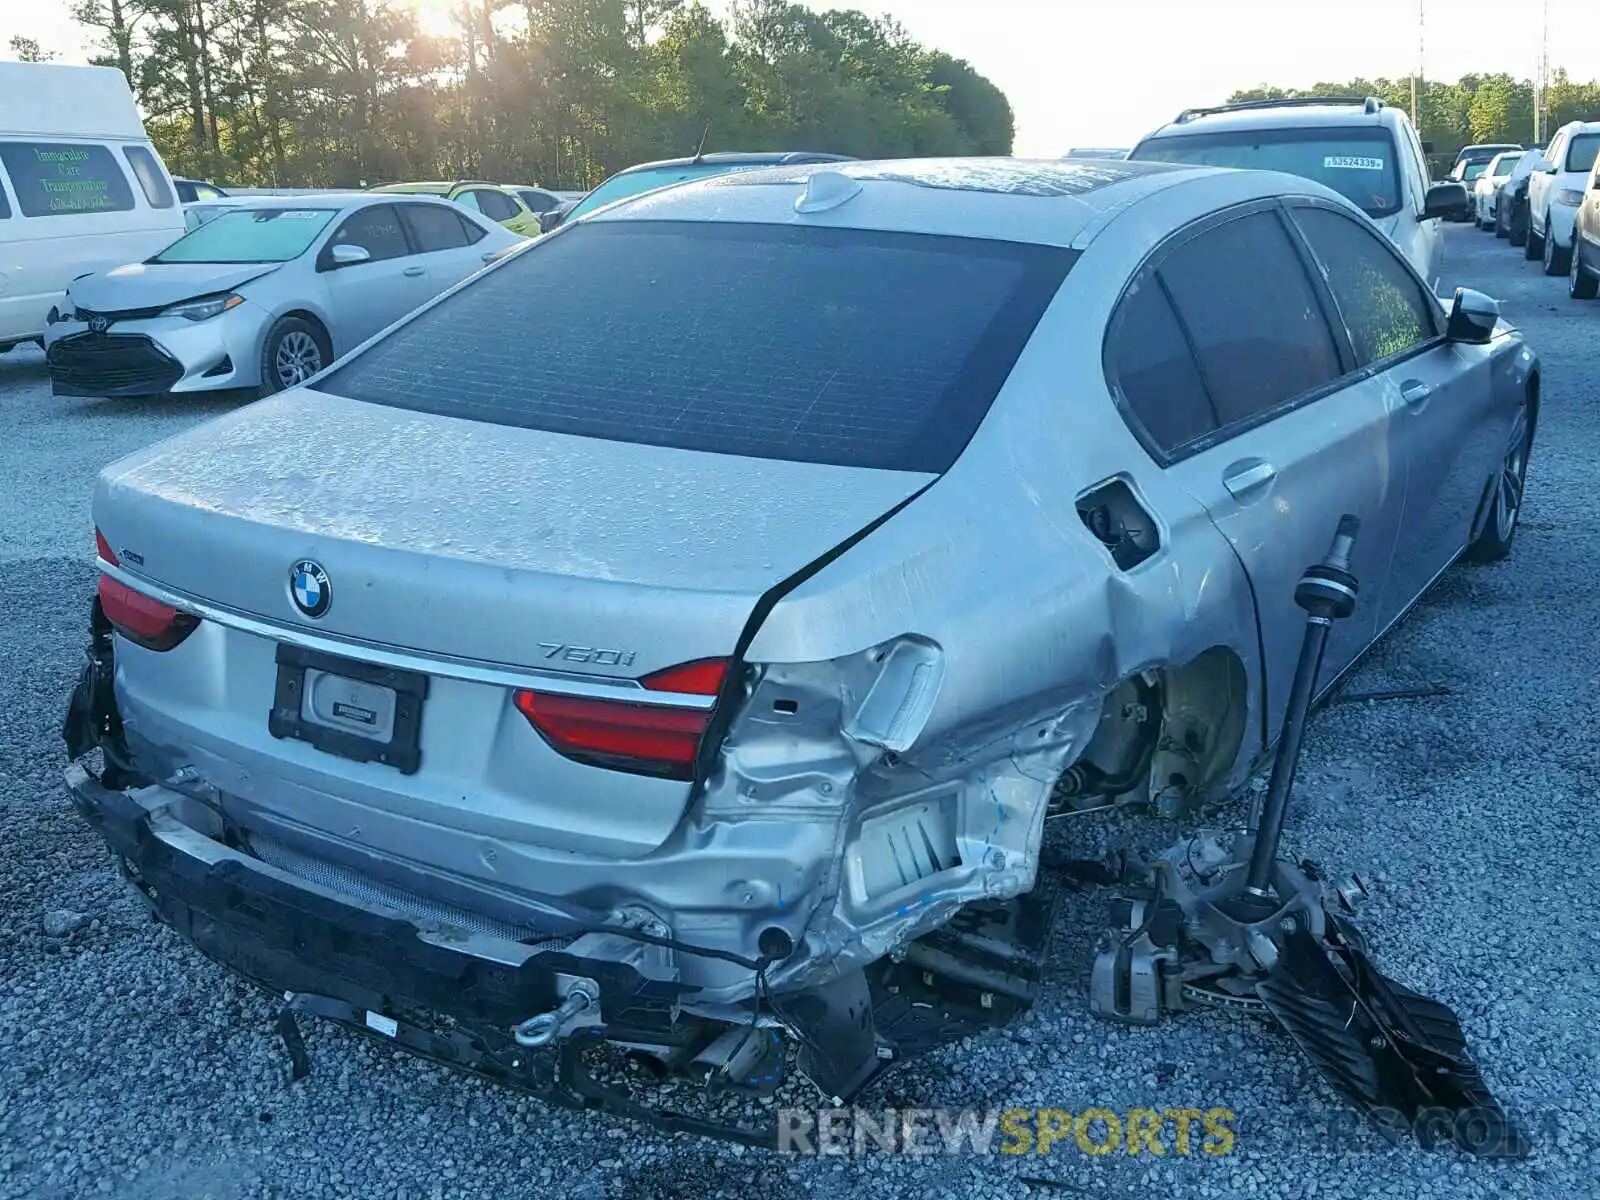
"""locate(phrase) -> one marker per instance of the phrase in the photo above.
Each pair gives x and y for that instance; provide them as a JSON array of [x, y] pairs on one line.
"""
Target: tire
[[1502, 499], [1581, 285], [1518, 236], [1533, 248], [294, 350], [1556, 260]]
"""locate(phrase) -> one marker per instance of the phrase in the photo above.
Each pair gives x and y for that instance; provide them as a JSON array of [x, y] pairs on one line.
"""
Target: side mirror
[[1473, 317], [550, 220], [348, 256], [1447, 200]]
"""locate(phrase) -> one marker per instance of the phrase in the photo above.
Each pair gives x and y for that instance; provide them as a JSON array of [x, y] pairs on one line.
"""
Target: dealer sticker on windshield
[[304, 214], [1348, 162]]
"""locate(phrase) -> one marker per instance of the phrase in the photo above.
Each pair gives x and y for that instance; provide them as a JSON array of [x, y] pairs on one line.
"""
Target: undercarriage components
[[546, 1027], [1242, 927]]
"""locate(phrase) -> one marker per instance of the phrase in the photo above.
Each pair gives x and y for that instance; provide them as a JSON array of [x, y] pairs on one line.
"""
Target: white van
[[81, 187]]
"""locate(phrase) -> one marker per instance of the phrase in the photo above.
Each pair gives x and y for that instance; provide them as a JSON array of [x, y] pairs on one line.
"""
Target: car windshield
[[857, 348], [1473, 171], [250, 235], [631, 183], [1581, 153], [1358, 164]]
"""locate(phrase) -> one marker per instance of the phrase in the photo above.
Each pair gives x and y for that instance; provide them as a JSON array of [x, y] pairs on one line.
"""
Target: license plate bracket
[[385, 699]]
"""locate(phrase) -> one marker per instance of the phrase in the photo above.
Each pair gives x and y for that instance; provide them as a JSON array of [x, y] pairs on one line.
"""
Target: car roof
[[735, 158], [350, 199], [1043, 201], [1581, 127], [1307, 112]]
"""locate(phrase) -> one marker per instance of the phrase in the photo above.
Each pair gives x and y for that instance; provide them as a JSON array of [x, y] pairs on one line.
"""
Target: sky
[[1081, 74]]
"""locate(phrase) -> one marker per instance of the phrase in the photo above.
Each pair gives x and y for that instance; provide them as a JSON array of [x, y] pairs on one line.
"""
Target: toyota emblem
[[98, 324]]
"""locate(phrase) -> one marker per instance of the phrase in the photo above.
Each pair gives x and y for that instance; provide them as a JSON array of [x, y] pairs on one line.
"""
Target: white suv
[[1555, 190], [1365, 150]]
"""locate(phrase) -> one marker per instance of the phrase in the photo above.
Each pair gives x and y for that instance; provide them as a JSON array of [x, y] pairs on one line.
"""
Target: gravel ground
[[130, 1067]]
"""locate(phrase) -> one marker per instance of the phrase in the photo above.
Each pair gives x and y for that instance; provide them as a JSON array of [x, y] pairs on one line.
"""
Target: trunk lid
[[465, 540]]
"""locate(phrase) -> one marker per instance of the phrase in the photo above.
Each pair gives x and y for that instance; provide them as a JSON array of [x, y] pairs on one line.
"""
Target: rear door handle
[[413, 272], [1415, 392], [1249, 478]]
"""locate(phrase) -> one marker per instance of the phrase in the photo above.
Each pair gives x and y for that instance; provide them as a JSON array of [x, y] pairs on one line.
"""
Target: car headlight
[[1568, 196], [205, 307]]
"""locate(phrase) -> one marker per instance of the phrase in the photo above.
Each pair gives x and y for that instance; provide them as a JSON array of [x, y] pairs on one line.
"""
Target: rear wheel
[[1581, 285], [1503, 497], [295, 349]]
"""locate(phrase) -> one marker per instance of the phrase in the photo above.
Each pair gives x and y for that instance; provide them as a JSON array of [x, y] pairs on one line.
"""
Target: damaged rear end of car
[[659, 690]]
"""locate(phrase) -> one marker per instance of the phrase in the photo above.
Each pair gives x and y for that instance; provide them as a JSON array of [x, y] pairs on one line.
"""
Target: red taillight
[[103, 548], [646, 739], [702, 677], [142, 620]]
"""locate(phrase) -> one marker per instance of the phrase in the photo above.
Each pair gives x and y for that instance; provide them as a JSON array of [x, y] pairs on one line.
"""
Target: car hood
[[152, 285]]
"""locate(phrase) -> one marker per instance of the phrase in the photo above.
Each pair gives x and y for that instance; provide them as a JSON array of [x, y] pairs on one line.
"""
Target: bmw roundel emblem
[[309, 588]]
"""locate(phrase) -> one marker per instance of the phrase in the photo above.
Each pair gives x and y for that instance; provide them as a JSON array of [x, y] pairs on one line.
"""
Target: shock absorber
[[1327, 592]]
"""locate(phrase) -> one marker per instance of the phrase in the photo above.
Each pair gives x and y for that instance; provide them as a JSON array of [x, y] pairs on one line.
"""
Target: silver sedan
[[864, 516], [264, 295]]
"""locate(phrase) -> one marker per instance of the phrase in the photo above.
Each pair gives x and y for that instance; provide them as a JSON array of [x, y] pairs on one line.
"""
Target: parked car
[[1479, 154], [191, 190], [495, 201], [648, 176], [1583, 271], [264, 295], [1365, 150], [1467, 174], [1486, 189], [1556, 190], [81, 187], [591, 670], [1511, 201]]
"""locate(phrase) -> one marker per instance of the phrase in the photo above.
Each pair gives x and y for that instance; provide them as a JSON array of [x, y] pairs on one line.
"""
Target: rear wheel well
[[1167, 736]]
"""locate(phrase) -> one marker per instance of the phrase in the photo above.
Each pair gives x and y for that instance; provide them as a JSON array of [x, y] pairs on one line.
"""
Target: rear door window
[[61, 179], [1154, 368], [1252, 315], [150, 176], [434, 227], [859, 348], [1384, 307]]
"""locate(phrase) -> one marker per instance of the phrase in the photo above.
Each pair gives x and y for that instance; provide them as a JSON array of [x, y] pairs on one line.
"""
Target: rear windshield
[[852, 347], [1581, 153], [250, 235], [1359, 164], [632, 183]]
